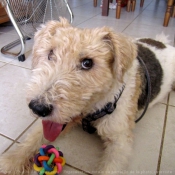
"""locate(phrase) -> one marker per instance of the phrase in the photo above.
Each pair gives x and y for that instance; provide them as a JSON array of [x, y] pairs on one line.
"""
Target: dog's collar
[[107, 109]]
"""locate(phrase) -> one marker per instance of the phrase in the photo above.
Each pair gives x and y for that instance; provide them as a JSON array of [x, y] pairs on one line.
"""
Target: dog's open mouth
[[51, 129]]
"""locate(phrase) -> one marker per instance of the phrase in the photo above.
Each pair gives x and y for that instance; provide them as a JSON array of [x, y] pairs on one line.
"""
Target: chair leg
[[128, 8], [105, 8], [173, 13], [133, 5], [118, 9], [168, 13], [141, 3], [95, 3]]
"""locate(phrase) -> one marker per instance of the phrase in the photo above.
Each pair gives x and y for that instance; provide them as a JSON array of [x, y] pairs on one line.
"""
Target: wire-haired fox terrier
[[97, 78]]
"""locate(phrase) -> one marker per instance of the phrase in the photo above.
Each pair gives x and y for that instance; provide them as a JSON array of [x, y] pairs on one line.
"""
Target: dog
[[93, 77]]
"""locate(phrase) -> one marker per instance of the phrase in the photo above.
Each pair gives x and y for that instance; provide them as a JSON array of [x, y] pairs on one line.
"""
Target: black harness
[[108, 109], [110, 106]]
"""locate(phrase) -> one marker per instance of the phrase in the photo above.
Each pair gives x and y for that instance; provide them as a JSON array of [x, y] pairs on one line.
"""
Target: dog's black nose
[[42, 110]]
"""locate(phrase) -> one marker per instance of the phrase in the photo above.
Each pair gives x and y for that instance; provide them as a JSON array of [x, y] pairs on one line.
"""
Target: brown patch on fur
[[149, 41]]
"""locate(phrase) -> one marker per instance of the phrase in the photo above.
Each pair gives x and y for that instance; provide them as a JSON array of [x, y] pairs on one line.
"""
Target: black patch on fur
[[155, 72], [149, 41]]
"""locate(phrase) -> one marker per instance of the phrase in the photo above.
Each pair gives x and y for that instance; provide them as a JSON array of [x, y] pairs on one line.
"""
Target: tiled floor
[[154, 146]]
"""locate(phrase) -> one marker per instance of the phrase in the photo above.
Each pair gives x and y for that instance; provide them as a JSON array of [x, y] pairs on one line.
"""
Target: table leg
[[118, 9], [168, 13], [105, 8]]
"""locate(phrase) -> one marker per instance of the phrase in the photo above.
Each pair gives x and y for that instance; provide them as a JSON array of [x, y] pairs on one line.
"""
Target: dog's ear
[[124, 52], [51, 26], [45, 33]]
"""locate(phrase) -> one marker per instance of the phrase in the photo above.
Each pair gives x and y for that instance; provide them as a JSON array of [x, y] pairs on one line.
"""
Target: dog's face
[[74, 69]]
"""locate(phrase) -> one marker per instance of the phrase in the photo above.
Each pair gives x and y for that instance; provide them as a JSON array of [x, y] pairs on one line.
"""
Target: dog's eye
[[51, 56], [87, 64]]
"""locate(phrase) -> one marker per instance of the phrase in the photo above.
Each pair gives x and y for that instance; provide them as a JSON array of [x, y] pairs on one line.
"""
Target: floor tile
[[145, 20], [140, 30], [81, 150], [4, 143], [78, 3], [28, 131], [15, 116], [66, 170], [79, 19], [172, 98], [125, 16], [7, 28], [87, 10], [27, 63], [69, 170], [95, 22], [2, 64], [7, 39], [168, 154], [148, 133]]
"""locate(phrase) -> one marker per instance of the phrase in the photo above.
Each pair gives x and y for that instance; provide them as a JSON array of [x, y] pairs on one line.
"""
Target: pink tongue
[[51, 130]]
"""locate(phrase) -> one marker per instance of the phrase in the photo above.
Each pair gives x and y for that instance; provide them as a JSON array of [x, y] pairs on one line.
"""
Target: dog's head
[[75, 71]]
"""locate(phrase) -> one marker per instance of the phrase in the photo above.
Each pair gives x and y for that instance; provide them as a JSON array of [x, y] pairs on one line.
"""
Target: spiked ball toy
[[49, 160]]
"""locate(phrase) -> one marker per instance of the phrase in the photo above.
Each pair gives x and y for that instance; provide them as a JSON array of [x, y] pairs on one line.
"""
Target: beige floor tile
[[7, 28], [2, 64], [87, 10], [7, 38], [80, 149], [172, 98], [142, 30], [28, 62], [15, 116], [148, 133], [28, 131], [5, 143], [96, 22], [168, 154]]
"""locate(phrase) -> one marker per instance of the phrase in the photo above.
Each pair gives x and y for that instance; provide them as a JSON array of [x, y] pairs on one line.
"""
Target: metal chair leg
[[21, 40], [70, 11]]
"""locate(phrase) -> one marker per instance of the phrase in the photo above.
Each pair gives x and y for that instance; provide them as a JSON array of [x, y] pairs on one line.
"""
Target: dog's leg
[[118, 137], [117, 151], [19, 161]]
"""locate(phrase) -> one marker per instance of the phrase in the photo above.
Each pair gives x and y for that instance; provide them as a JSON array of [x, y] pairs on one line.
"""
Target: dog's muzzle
[[42, 110]]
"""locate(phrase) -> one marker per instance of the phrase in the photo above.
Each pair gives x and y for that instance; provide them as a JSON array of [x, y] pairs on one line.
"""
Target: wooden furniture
[[95, 3], [3, 15], [168, 12], [130, 6]]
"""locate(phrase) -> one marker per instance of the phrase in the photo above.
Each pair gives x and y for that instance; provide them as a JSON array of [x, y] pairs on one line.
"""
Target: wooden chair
[[95, 3], [130, 6], [132, 3], [170, 9]]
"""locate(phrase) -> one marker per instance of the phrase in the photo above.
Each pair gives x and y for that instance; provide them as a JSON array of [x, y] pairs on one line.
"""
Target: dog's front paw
[[13, 163]]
